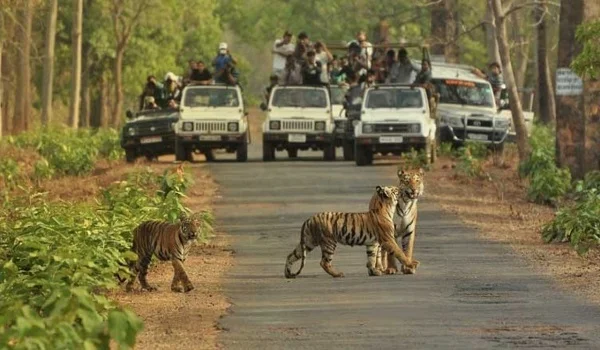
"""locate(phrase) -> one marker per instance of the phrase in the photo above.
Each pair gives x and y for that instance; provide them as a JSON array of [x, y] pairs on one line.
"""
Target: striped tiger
[[166, 241], [373, 229], [411, 187]]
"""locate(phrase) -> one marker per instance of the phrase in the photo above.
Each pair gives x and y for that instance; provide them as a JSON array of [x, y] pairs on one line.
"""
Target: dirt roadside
[[500, 211]]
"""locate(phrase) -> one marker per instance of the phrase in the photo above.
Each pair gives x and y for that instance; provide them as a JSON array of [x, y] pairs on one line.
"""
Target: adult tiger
[[167, 242], [374, 228], [411, 187]]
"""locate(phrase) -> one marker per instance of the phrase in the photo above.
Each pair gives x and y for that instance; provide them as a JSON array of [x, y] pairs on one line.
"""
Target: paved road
[[467, 294]]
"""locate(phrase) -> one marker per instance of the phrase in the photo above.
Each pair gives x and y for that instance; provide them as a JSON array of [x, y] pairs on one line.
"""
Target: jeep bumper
[[460, 135]]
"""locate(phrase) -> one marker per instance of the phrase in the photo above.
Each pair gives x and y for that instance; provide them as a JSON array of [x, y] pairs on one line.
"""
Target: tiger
[[166, 241], [373, 229], [411, 188]]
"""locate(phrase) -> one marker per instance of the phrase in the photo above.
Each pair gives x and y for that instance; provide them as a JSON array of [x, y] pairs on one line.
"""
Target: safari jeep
[[298, 118], [149, 133], [467, 107], [212, 117], [337, 111], [394, 119]]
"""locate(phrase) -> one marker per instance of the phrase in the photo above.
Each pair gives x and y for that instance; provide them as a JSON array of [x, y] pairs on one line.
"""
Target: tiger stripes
[[168, 242], [373, 229], [411, 186]]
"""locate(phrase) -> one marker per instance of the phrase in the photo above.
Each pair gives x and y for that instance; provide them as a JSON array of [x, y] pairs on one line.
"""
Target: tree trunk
[[591, 102], [443, 30], [76, 68], [570, 130], [86, 74], [493, 53], [118, 88], [2, 35], [545, 92], [23, 89], [49, 63], [509, 77], [104, 105]]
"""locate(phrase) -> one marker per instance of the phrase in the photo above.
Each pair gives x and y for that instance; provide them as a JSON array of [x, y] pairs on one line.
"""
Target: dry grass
[[498, 208]]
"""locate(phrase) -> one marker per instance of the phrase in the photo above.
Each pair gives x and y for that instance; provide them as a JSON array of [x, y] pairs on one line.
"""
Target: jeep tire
[[182, 153], [241, 154], [348, 150], [268, 152], [292, 153], [130, 155], [362, 155], [329, 152]]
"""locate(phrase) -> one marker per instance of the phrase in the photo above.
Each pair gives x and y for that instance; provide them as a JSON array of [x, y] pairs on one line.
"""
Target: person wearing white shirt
[[325, 57], [282, 48], [366, 48]]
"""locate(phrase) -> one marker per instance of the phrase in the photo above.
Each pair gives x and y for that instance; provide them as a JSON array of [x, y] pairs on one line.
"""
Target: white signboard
[[568, 83]]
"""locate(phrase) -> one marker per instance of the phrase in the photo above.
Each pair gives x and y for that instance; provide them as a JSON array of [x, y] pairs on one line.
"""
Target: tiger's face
[[388, 194], [190, 225], [410, 183]]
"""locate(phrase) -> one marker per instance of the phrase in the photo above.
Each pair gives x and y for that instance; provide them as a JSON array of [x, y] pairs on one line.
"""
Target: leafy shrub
[[415, 159], [469, 166], [478, 150], [579, 224], [56, 257], [42, 169], [445, 149], [9, 172], [547, 182], [108, 144]]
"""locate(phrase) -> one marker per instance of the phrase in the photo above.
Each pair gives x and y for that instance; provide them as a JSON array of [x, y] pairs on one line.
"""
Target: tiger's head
[[190, 225], [410, 183], [387, 195]]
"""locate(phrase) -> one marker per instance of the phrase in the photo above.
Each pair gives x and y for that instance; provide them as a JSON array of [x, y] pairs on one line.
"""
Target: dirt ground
[[498, 208]]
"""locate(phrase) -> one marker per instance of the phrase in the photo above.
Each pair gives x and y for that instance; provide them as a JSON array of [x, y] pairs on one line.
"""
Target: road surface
[[467, 294]]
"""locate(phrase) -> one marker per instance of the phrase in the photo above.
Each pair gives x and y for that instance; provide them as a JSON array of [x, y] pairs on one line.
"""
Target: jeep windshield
[[337, 95], [464, 92], [393, 98], [299, 98], [211, 97]]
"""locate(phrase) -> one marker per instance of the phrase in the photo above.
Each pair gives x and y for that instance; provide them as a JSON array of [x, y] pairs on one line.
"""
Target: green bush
[[578, 224], [415, 159], [547, 182], [478, 150], [469, 166], [445, 149], [57, 258], [9, 172]]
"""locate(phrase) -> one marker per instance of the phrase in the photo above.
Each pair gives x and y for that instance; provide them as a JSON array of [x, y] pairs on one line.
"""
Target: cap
[[170, 76], [223, 46]]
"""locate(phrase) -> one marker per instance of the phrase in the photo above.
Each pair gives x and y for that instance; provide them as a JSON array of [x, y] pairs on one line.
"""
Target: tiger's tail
[[293, 257]]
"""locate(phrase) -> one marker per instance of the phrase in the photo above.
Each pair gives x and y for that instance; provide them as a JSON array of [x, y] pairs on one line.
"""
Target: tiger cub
[[411, 187], [373, 229], [167, 242]]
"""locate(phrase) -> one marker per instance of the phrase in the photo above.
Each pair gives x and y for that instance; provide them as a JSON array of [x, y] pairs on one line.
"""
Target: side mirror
[[263, 106], [129, 114]]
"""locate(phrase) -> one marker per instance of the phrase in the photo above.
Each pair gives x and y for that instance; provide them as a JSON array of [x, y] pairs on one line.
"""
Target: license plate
[[390, 139], [210, 137], [480, 137], [153, 139], [299, 138]]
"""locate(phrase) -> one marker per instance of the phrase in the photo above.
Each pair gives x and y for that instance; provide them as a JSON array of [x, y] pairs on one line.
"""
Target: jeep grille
[[211, 126], [153, 128], [297, 125], [389, 128]]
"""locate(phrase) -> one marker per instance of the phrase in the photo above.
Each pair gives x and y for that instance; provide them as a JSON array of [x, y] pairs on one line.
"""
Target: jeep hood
[[461, 110], [299, 113], [221, 113], [394, 115]]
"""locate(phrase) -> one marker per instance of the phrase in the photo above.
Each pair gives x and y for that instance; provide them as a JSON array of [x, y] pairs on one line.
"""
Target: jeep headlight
[[187, 126], [131, 131], [414, 128], [232, 126], [452, 120], [319, 126], [367, 128], [502, 123], [274, 125]]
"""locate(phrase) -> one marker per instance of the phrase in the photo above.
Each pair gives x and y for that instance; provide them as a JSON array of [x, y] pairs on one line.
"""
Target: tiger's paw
[[408, 271], [375, 272], [150, 288], [391, 271], [176, 289], [410, 267], [338, 275], [188, 288]]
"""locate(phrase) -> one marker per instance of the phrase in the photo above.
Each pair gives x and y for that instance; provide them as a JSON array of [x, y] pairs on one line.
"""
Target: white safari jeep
[[298, 118], [394, 119], [212, 117], [467, 107]]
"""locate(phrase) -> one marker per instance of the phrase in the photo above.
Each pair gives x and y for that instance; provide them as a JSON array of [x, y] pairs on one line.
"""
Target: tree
[[578, 110], [491, 43], [500, 16], [545, 91], [443, 30], [1, 77], [76, 70], [125, 17], [23, 90], [49, 63]]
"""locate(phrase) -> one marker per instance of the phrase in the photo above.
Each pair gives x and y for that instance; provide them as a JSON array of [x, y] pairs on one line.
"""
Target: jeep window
[[464, 92], [302, 98], [337, 95], [211, 97], [394, 98]]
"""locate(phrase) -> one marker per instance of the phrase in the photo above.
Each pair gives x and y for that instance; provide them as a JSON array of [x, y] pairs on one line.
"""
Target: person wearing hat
[[223, 61], [311, 70], [282, 48], [172, 87], [150, 103]]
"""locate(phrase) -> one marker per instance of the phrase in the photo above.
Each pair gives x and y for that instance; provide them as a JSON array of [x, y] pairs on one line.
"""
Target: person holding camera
[[224, 63], [152, 89]]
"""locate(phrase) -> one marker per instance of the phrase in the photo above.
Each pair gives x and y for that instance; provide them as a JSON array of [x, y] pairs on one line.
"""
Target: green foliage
[[469, 166], [415, 159], [587, 63], [547, 182], [445, 149], [9, 172], [43, 170], [478, 150], [579, 224], [50, 275]]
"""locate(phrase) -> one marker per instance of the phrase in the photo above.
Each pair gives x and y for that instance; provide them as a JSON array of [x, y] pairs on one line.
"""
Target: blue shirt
[[221, 61]]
